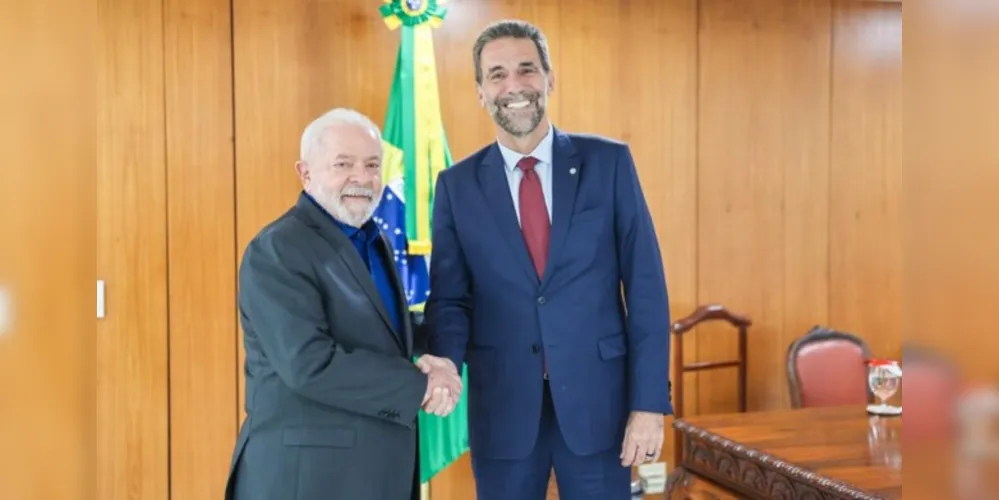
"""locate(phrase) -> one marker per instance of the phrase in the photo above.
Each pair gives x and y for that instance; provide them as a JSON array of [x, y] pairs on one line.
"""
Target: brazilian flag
[[416, 151]]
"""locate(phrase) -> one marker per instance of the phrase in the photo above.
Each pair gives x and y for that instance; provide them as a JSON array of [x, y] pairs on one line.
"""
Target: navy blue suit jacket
[[600, 314]]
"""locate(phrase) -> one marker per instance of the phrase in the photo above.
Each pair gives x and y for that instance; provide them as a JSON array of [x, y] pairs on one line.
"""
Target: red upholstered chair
[[826, 367]]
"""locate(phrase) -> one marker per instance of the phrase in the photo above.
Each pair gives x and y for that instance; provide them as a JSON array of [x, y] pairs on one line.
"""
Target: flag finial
[[413, 12]]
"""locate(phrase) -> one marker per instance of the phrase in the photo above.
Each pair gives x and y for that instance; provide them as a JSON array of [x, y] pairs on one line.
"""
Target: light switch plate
[[653, 477], [100, 299], [5, 311]]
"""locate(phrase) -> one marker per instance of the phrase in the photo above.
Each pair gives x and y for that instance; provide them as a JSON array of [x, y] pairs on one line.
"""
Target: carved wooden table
[[816, 453]]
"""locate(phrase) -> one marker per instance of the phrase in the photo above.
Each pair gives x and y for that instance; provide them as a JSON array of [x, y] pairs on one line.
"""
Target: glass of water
[[884, 377]]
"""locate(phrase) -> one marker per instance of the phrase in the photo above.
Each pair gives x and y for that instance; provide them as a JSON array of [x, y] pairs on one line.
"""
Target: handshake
[[444, 386]]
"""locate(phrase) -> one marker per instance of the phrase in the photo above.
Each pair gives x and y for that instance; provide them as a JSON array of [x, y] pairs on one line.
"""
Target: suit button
[[535, 348], [541, 300]]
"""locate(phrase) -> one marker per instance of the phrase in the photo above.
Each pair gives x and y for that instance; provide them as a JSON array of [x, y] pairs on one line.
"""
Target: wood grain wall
[[767, 135], [951, 281], [167, 351], [47, 237]]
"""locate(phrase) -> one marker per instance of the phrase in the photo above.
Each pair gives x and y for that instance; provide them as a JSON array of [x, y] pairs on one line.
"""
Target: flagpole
[[415, 151]]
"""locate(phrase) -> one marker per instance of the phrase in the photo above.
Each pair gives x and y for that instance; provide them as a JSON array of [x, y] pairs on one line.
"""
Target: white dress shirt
[[543, 152]]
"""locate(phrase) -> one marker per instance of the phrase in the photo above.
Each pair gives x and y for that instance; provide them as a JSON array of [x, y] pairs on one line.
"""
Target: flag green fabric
[[416, 151]]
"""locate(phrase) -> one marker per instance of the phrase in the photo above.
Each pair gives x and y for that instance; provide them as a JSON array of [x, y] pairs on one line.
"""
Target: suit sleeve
[[279, 297], [646, 298], [448, 309], [420, 345]]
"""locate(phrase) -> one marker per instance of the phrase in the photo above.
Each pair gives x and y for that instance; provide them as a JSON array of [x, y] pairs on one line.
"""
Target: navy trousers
[[593, 477]]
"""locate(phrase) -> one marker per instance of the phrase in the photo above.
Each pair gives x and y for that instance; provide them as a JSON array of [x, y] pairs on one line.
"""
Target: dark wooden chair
[[706, 313]]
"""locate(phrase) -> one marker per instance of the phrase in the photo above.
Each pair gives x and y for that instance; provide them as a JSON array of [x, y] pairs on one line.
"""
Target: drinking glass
[[884, 377]]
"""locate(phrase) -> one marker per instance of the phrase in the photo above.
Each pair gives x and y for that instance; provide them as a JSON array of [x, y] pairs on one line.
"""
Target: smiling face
[[514, 87], [343, 172]]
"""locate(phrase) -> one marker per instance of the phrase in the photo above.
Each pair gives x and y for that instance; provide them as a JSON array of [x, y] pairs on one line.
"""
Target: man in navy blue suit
[[547, 281]]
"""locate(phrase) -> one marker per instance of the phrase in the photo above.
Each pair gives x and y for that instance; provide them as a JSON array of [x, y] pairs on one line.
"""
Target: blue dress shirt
[[365, 240]]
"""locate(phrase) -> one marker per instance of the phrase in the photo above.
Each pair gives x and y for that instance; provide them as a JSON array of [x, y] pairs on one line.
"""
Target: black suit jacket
[[332, 394]]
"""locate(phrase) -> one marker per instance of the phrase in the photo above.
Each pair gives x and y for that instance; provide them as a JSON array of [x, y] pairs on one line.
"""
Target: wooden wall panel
[[132, 395], [47, 228], [865, 244], [661, 128], [950, 270], [267, 94], [658, 120], [763, 170], [594, 33], [201, 235]]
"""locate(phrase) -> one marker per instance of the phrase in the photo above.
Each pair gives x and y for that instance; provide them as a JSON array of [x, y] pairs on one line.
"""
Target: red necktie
[[534, 223]]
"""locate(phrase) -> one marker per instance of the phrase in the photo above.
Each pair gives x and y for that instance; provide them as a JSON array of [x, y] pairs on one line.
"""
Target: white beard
[[333, 203]]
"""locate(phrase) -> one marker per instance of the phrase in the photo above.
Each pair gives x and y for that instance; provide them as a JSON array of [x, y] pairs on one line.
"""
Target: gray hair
[[313, 133], [511, 29]]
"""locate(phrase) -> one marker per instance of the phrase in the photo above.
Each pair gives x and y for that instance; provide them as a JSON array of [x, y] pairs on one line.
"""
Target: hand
[[643, 438], [444, 386]]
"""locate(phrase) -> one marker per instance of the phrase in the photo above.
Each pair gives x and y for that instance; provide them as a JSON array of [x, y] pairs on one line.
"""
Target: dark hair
[[510, 29]]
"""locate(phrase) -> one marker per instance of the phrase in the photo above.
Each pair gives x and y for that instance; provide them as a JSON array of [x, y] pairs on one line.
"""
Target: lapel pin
[[572, 171]]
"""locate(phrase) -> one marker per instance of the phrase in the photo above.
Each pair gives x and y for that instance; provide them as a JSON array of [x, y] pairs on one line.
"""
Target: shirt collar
[[367, 233], [543, 151]]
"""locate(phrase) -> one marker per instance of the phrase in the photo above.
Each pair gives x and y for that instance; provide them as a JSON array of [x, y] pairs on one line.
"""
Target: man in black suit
[[332, 394]]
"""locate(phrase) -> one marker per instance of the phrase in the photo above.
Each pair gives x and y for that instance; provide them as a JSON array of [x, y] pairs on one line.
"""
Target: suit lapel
[[363, 277], [323, 224], [496, 188], [565, 181]]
